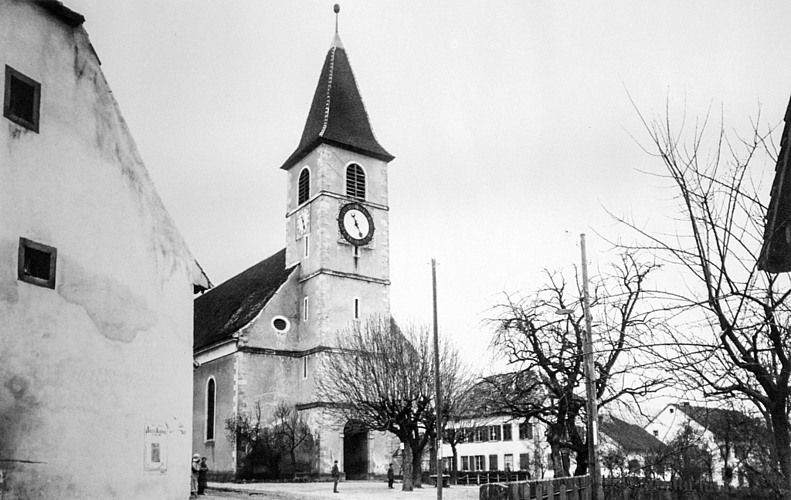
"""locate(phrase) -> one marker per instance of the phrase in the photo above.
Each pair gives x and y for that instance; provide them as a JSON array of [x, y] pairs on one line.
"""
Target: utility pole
[[438, 393], [597, 489]]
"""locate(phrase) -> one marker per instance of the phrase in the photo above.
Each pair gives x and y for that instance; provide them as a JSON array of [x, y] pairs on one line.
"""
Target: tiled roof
[[776, 252], [337, 115], [716, 420], [630, 437], [223, 310], [62, 12]]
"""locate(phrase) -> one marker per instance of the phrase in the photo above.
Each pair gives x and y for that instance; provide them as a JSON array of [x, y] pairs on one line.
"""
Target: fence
[[493, 476], [633, 488], [564, 488]]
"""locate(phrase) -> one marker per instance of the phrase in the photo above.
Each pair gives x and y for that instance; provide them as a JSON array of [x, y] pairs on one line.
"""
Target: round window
[[280, 324]]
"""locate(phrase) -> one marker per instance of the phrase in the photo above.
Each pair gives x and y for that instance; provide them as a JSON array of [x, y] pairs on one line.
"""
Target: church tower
[[337, 226], [260, 336]]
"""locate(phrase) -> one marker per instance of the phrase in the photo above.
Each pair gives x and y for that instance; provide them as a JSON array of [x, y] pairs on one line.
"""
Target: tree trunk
[[454, 467], [406, 467], [582, 463], [557, 461], [780, 427], [417, 469]]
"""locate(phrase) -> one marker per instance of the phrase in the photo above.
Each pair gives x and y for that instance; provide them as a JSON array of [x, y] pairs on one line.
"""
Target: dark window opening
[[355, 181], [210, 396], [304, 186], [21, 99], [493, 463], [36, 263], [524, 461], [280, 324], [506, 432], [525, 430]]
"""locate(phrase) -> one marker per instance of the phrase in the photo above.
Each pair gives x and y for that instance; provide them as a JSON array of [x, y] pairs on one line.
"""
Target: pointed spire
[[337, 115]]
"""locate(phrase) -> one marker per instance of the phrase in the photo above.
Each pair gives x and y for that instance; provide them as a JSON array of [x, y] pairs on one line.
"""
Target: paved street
[[346, 490]]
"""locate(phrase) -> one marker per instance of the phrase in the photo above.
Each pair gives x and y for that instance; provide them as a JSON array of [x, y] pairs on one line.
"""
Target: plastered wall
[[96, 371]]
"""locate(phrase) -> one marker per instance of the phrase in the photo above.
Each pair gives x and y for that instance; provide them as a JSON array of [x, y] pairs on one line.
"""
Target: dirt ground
[[346, 490]]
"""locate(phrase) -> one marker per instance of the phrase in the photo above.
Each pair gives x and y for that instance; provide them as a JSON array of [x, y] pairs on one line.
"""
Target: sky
[[513, 123]]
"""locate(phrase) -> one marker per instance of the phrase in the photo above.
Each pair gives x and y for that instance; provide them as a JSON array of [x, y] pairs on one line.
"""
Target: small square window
[[22, 98], [37, 263]]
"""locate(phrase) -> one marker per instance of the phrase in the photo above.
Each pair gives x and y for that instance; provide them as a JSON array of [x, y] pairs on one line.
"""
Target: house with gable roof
[[726, 434], [626, 447], [259, 336], [96, 282]]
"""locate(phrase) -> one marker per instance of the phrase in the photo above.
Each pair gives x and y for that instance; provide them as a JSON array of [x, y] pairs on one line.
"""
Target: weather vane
[[337, 9]]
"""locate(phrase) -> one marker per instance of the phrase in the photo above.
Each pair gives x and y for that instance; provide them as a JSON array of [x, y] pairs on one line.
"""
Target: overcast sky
[[510, 121]]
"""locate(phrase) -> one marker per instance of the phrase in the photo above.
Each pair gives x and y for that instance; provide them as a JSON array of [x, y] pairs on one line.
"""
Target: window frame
[[7, 110], [211, 386], [303, 188], [507, 432], [356, 176], [284, 319], [22, 273]]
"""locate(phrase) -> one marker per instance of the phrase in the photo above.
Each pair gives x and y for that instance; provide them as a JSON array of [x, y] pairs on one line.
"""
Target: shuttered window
[[304, 186], [355, 181]]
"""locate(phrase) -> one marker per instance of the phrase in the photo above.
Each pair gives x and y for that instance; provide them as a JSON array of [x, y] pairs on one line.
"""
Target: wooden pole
[[438, 393], [597, 491]]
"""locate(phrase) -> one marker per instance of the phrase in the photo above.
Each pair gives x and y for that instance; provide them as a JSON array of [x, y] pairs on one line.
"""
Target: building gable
[[229, 307]]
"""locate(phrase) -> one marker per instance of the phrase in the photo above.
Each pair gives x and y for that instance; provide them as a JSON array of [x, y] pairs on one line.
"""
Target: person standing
[[336, 474], [202, 476], [390, 476], [194, 470]]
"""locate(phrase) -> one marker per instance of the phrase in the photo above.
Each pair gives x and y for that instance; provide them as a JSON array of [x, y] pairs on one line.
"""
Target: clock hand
[[360, 231]]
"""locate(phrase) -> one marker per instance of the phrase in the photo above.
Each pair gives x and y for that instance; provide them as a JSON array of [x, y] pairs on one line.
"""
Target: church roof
[[337, 115], [776, 251], [222, 311]]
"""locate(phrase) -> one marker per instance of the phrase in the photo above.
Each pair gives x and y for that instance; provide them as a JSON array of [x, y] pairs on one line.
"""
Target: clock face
[[356, 224], [303, 222]]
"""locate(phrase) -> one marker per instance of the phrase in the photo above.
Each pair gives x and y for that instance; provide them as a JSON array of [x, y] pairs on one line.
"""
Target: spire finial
[[336, 8]]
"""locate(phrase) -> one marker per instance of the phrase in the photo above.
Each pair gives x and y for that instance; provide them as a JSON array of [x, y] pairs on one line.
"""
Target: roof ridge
[[329, 92]]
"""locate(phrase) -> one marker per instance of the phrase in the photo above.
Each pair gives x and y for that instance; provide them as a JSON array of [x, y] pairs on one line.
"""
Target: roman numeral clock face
[[356, 224]]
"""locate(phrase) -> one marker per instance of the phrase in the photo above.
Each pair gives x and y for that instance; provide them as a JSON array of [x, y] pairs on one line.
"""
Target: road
[[358, 490]]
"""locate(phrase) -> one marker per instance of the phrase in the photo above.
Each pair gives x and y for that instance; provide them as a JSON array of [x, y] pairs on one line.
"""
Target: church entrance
[[355, 450]]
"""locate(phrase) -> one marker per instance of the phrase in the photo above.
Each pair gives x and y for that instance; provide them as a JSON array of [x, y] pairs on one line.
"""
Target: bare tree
[[729, 332], [547, 350], [382, 377], [256, 440], [293, 430], [456, 381]]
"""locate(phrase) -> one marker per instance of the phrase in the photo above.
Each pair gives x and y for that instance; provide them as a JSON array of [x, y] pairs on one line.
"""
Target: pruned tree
[[547, 352], [382, 377], [727, 336]]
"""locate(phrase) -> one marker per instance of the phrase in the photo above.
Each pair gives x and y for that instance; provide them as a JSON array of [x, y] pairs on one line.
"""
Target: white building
[[96, 283], [718, 431], [499, 443]]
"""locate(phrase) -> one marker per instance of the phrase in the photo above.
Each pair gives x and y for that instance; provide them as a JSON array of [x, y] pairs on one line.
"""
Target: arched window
[[355, 181], [304, 186], [210, 400]]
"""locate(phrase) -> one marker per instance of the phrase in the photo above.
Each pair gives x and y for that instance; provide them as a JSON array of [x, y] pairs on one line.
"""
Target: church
[[259, 336]]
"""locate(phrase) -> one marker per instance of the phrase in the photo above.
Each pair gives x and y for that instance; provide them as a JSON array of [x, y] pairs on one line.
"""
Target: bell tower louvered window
[[304, 186], [355, 181]]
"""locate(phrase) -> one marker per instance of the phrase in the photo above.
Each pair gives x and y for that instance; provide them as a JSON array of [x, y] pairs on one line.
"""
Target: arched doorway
[[355, 450]]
